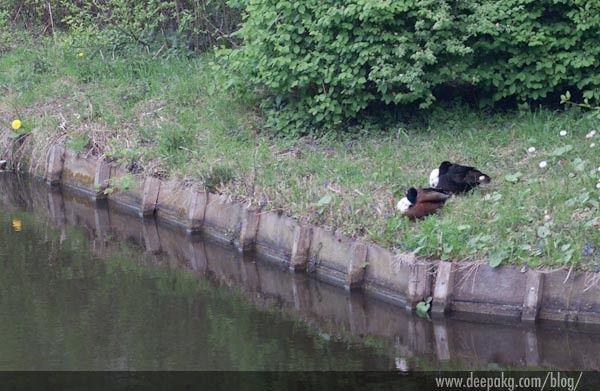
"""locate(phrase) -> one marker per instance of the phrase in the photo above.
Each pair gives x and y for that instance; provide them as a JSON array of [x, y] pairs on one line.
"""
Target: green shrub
[[326, 61], [532, 49], [323, 63], [161, 26], [165, 27]]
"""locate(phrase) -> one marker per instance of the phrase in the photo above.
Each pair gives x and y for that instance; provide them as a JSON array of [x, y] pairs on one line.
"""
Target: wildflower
[[598, 185], [80, 54], [17, 225], [563, 133], [592, 145], [543, 164], [16, 124], [590, 134], [531, 149]]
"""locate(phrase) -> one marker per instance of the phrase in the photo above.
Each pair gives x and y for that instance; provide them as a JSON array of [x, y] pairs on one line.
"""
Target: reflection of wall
[[459, 342]]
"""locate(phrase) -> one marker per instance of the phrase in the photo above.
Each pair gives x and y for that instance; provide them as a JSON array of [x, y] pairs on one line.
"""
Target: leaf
[[326, 200], [495, 197], [543, 231], [561, 150], [513, 178], [422, 308], [579, 164], [495, 259]]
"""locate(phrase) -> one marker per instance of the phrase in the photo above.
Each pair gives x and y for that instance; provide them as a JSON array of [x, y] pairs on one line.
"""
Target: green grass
[[173, 116]]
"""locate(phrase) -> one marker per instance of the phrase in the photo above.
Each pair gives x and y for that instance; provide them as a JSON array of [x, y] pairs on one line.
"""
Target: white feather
[[403, 205], [434, 178]]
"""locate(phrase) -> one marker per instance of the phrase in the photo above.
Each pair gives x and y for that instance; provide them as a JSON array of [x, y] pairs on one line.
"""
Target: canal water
[[86, 286]]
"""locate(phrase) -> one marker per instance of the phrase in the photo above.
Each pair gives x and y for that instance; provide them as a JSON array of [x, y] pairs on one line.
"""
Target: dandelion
[[543, 164], [563, 133], [17, 225], [590, 134], [16, 124], [531, 150]]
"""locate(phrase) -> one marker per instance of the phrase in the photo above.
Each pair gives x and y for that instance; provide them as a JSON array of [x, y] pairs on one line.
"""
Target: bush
[[536, 49], [323, 63], [152, 24]]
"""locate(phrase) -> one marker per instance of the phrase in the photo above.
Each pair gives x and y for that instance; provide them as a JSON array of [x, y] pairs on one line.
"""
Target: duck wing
[[432, 195], [463, 178]]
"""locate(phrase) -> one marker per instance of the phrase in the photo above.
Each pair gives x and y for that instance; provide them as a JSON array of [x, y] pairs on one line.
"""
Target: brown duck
[[421, 202]]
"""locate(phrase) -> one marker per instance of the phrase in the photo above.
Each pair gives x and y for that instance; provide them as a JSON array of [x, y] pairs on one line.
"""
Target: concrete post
[[356, 267], [101, 179], [197, 202], [250, 220], [54, 167], [442, 290], [150, 196], [533, 296], [300, 248]]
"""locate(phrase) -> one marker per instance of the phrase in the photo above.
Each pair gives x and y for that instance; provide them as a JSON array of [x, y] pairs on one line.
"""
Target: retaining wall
[[460, 342], [400, 278]]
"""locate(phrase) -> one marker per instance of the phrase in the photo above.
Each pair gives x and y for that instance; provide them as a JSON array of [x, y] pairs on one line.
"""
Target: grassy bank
[[172, 116]]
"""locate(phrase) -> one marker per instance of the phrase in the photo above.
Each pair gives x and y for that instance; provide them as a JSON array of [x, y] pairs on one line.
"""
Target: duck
[[456, 178], [421, 202]]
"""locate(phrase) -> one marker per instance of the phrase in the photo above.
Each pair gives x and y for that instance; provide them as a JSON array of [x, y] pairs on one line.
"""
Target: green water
[[85, 286], [62, 308]]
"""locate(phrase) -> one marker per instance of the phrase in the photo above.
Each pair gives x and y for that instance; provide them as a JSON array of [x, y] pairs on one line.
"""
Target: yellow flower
[[16, 124], [17, 225], [80, 54]]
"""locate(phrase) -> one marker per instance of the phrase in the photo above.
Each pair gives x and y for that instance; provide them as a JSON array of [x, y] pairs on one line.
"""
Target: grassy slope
[[172, 116]]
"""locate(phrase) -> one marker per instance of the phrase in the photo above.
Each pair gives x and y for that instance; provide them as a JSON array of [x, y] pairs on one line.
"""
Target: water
[[88, 287]]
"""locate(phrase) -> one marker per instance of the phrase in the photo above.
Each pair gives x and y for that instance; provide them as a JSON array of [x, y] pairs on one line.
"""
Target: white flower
[[598, 185], [543, 164], [531, 149], [563, 133], [590, 134], [592, 145], [598, 169]]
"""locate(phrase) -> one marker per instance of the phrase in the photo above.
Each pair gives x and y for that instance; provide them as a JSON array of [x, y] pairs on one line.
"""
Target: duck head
[[409, 200], [434, 178]]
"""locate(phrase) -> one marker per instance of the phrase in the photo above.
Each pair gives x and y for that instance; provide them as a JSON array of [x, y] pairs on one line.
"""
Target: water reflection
[[108, 290]]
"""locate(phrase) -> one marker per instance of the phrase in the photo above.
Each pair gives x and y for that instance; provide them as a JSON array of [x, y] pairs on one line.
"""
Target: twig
[[568, 275], [51, 20]]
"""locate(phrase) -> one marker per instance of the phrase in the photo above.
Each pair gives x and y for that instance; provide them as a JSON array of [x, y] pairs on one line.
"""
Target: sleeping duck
[[456, 178], [420, 202]]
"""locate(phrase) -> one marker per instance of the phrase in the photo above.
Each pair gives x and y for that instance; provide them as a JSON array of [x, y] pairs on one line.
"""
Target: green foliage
[[323, 63], [166, 27], [533, 49]]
